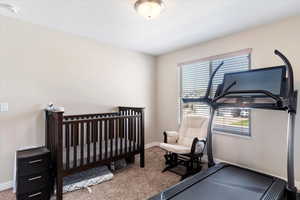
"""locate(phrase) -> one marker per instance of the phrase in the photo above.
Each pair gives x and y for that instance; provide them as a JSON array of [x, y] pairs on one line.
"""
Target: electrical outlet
[[3, 107]]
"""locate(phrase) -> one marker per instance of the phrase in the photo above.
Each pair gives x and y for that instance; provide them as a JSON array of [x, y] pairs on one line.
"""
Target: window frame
[[210, 59]]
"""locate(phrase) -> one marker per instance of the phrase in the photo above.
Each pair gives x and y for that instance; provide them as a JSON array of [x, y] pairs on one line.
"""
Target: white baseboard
[[297, 183], [5, 186], [152, 144]]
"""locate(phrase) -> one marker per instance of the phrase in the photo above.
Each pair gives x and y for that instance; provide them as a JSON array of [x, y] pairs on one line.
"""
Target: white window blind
[[194, 81]]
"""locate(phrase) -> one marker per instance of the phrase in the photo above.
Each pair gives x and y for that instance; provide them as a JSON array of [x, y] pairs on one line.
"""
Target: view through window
[[194, 81]]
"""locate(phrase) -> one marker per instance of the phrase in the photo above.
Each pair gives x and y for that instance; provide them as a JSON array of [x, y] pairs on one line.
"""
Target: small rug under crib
[[86, 178]]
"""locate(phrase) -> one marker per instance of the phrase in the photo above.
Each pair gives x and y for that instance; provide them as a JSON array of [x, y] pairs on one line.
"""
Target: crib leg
[[142, 159], [59, 187]]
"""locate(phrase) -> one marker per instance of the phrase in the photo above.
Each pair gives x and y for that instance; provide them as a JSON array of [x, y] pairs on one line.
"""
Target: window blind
[[231, 120], [194, 81]]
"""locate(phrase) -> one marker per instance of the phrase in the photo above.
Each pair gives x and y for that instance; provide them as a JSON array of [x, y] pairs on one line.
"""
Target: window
[[194, 82]]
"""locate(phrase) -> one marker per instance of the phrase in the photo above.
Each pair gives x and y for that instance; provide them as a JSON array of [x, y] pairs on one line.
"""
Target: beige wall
[[39, 66], [266, 150]]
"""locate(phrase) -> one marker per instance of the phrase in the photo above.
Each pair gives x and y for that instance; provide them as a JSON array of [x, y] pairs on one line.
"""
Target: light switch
[[3, 107]]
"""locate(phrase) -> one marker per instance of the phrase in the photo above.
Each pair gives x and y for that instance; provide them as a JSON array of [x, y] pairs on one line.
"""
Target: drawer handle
[[35, 178], [35, 161], [34, 195]]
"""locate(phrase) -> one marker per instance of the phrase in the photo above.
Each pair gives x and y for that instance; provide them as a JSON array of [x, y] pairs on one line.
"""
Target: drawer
[[43, 194], [32, 165], [34, 182]]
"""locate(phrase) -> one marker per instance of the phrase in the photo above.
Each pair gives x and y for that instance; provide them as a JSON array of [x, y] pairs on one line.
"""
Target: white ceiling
[[183, 23]]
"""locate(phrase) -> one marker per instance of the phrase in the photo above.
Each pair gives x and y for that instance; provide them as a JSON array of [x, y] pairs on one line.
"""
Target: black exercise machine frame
[[286, 103]]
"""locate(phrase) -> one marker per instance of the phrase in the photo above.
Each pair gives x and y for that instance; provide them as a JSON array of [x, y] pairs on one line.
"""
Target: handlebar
[[194, 100], [265, 92], [290, 72], [211, 80]]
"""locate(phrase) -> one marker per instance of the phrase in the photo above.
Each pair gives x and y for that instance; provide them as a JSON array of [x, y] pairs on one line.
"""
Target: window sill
[[233, 135]]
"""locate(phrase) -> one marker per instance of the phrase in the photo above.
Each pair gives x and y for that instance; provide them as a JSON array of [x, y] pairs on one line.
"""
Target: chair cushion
[[172, 137], [175, 148], [192, 127]]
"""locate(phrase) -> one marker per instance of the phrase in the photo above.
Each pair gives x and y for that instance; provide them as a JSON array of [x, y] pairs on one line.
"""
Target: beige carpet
[[132, 183]]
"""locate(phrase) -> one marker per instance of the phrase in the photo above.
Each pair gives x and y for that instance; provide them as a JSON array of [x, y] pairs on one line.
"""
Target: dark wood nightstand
[[34, 180]]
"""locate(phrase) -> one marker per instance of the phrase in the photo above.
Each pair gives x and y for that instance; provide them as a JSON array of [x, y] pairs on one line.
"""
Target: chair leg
[[193, 166], [171, 161], [167, 168]]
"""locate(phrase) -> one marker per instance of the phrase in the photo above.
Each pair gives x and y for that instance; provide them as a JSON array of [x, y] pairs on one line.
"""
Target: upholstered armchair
[[186, 146]]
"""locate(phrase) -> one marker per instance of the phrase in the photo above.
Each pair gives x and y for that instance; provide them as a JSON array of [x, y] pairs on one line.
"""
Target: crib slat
[[75, 139], [105, 138], [139, 131], [95, 139], [117, 135], [111, 134], [134, 134], [67, 138], [88, 141], [95, 134], [129, 134], [81, 144], [128, 131], [100, 138], [126, 134], [71, 134], [121, 132]]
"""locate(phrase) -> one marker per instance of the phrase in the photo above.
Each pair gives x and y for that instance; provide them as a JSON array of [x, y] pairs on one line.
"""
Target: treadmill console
[[270, 79]]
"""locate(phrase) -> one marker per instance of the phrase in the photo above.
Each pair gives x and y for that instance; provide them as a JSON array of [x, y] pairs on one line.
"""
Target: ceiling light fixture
[[9, 7], [149, 8]]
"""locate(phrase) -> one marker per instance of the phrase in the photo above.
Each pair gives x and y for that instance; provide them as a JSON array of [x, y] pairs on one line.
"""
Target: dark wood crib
[[80, 142]]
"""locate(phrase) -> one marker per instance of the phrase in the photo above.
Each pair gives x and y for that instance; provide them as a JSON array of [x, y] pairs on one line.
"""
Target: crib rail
[[89, 116]]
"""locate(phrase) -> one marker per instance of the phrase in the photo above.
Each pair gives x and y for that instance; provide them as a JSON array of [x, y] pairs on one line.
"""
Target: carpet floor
[[131, 183]]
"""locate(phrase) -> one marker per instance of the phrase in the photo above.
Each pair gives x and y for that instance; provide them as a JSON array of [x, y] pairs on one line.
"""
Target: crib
[[81, 142]]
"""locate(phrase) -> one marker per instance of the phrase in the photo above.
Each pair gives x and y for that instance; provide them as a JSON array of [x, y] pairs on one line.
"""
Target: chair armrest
[[171, 137], [198, 146]]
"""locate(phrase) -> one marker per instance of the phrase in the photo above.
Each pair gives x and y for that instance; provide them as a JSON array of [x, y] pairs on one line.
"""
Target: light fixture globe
[[149, 9]]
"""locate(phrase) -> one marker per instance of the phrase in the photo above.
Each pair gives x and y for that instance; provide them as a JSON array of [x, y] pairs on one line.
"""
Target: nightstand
[[34, 181]]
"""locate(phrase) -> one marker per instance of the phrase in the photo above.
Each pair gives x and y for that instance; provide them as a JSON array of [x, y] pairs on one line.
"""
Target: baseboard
[[297, 183], [152, 144], [6, 186]]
